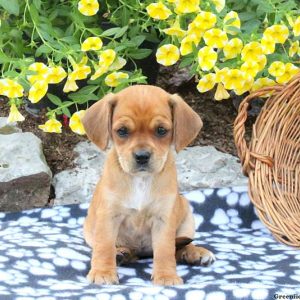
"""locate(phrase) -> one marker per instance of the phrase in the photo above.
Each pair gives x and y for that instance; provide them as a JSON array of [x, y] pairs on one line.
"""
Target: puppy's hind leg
[[186, 252], [194, 255]]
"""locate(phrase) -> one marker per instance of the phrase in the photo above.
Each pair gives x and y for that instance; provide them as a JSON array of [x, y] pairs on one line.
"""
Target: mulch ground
[[218, 118]]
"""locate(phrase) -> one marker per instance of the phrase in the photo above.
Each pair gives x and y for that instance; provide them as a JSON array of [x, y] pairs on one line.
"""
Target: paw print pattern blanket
[[43, 256]]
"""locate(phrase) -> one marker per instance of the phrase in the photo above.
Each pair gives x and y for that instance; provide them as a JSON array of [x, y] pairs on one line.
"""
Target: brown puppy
[[136, 209]]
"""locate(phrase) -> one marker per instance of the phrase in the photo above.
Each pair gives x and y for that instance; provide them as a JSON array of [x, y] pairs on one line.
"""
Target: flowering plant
[[64, 51], [241, 46], [236, 46]]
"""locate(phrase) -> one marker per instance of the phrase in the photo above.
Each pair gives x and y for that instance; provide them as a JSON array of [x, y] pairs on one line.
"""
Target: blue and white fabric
[[43, 256]]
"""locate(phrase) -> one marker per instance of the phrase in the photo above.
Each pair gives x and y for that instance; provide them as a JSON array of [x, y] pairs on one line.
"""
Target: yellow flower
[[215, 38], [92, 43], [41, 70], [14, 115], [232, 48], [232, 15], [88, 7], [234, 79], [11, 88], [278, 33], [80, 72], [167, 55], [294, 48], [296, 27], [186, 45], [206, 83], [107, 57], [205, 20], [277, 68], [75, 122], [37, 91], [262, 61], [247, 85], [195, 30], [251, 51], [220, 74], [219, 4], [70, 85], [115, 78], [118, 64], [250, 67], [99, 71], [262, 82], [267, 44], [207, 58], [221, 92], [187, 6], [56, 74], [52, 126], [290, 71], [158, 11], [175, 30]]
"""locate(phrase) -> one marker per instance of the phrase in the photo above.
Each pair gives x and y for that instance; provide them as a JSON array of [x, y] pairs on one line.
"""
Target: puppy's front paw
[[164, 279], [196, 256], [102, 277]]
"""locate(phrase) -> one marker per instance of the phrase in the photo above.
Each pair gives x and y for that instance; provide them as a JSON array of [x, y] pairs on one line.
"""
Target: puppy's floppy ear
[[186, 122], [97, 121]]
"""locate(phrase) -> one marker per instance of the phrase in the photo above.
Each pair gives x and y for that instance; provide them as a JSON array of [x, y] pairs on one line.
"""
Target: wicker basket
[[272, 159]]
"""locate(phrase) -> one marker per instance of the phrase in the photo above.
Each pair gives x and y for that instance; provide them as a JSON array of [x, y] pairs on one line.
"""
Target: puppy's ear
[[186, 122], [97, 121]]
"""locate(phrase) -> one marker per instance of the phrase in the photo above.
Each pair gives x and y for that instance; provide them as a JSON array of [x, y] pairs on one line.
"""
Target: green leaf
[[37, 4], [121, 32], [111, 31], [43, 49], [138, 40], [54, 99], [66, 111], [140, 53], [186, 61], [12, 6], [4, 58], [233, 28], [125, 16]]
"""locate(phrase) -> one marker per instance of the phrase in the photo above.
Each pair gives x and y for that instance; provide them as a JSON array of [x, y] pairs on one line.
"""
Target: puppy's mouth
[[142, 169]]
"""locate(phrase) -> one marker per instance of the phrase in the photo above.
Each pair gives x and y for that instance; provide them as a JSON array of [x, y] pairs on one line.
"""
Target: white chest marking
[[140, 194]]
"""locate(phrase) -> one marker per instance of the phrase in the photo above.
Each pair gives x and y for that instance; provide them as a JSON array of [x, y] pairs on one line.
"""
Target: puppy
[[136, 209]]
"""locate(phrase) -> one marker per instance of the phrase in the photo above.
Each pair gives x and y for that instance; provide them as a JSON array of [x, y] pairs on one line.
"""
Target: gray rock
[[198, 167], [25, 177], [8, 128], [206, 167], [77, 185]]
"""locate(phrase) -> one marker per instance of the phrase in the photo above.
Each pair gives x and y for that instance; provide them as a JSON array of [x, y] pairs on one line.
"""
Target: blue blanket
[[43, 256]]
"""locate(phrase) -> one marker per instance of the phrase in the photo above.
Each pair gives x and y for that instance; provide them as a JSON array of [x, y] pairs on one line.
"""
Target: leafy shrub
[[83, 48]]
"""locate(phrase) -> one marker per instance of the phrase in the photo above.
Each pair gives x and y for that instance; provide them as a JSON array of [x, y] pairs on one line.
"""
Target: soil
[[218, 118]]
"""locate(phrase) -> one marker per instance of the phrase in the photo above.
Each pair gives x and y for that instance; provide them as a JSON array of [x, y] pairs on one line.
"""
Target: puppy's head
[[143, 122]]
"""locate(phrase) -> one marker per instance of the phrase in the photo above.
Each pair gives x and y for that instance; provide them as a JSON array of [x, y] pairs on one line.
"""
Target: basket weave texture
[[272, 159]]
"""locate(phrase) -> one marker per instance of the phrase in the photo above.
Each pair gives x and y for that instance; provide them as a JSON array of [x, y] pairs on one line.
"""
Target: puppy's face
[[142, 129], [143, 123]]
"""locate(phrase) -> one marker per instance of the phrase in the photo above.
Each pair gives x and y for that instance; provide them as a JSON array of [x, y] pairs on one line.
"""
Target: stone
[[206, 167], [8, 128], [197, 167], [77, 185], [25, 177]]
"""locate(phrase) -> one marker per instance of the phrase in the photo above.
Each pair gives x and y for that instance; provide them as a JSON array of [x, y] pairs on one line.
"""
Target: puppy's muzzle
[[142, 158]]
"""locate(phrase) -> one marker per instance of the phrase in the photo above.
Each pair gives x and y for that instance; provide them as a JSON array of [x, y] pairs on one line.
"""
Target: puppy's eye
[[160, 131], [123, 132]]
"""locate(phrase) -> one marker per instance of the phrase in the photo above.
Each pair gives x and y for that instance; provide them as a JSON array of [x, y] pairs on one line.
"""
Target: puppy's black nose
[[142, 157]]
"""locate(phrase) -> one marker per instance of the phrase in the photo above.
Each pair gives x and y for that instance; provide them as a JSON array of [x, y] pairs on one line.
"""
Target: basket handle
[[244, 153]]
